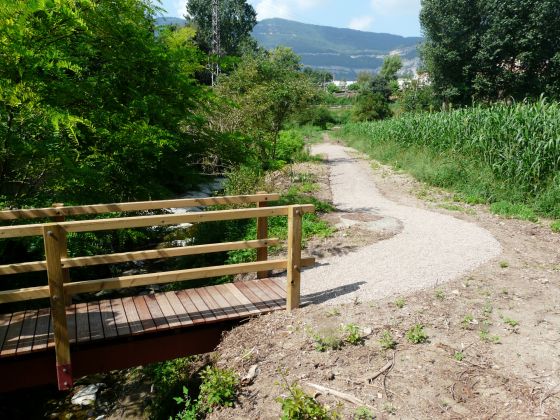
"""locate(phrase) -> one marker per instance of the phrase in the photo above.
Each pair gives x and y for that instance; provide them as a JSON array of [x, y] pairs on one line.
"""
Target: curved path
[[431, 249]]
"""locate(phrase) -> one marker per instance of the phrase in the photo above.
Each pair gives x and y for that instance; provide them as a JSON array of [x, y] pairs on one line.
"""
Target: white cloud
[[388, 7], [270, 8], [361, 23], [284, 8]]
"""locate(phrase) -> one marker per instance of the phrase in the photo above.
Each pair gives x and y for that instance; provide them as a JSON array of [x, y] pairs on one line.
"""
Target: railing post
[[294, 258], [262, 233], [63, 253], [54, 238]]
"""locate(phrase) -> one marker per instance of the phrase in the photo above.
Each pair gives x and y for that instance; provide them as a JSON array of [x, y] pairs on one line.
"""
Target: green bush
[[300, 406], [318, 116], [218, 389], [291, 146], [416, 334], [370, 107]]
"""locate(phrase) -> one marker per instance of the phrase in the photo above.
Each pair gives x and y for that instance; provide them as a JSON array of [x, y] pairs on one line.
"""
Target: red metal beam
[[40, 368]]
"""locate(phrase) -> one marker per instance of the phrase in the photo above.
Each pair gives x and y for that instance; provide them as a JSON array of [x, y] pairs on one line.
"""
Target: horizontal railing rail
[[92, 209], [57, 262]]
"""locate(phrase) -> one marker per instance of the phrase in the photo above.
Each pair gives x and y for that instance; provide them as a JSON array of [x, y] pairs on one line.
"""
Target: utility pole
[[215, 66]]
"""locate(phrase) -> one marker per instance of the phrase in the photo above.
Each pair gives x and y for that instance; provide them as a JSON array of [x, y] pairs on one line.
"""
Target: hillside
[[342, 51]]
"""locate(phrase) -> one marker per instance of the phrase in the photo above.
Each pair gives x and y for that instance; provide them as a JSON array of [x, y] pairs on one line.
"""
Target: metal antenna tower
[[215, 41]]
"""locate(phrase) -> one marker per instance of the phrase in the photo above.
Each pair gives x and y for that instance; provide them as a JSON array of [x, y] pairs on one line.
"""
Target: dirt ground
[[492, 348]]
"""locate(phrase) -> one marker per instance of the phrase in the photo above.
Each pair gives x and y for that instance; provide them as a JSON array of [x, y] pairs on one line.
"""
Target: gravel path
[[431, 249]]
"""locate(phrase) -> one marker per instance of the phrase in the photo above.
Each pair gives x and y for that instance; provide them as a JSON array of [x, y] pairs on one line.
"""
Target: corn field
[[520, 142]]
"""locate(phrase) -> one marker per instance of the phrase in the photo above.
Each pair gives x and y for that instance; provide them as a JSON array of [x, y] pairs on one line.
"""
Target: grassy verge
[[507, 157]]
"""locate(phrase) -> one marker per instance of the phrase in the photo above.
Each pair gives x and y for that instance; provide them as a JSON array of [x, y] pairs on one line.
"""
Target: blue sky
[[392, 16]]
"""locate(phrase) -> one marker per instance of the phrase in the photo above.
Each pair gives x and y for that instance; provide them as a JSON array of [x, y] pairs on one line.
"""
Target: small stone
[[545, 281], [329, 376], [86, 395], [101, 417], [456, 292]]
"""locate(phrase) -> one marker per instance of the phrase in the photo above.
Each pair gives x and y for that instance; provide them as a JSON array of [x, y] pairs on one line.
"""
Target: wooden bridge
[[67, 340]]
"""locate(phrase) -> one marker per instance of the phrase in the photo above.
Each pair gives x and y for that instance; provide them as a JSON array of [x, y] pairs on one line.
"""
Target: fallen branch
[[341, 395], [388, 365]]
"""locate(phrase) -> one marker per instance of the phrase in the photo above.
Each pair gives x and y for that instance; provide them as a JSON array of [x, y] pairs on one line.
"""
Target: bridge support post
[[63, 253], [54, 238], [262, 233], [294, 258]]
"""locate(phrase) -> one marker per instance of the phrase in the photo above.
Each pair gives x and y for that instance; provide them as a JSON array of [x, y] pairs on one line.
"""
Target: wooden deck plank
[[219, 312], [146, 320], [226, 302], [95, 321], [272, 300], [281, 296], [250, 307], [12, 337], [261, 296], [205, 311], [278, 285], [121, 322], [25, 342], [132, 316], [194, 312], [41, 335], [231, 297], [156, 312], [180, 310], [4, 325], [82, 323], [108, 318], [167, 309], [71, 323], [252, 296]]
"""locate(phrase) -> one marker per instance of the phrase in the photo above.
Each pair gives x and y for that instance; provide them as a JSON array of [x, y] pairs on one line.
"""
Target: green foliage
[[298, 405], [391, 66], [370, 107], [467, 321], [189, 408], [489, 154], [416, 334], [319, 116], [400, 302], [291, 146], [416, 97], [459, 356], [511, 322], [492, 49], [440, 295], [263, 93], [218, 389], [387, 341], [237, 19], [555, 226], [353, 334], [514, 210], [94, 107], [363, 413]]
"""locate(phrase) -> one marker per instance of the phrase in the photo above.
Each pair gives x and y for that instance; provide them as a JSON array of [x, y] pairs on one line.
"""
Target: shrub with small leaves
[[363, 413], [298, 405], [416, 334], [218, 388], [387, 341], [353, 334], [400, 302]]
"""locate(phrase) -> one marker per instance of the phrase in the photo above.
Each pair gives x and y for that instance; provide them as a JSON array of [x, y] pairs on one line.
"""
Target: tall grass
[[491, 153]]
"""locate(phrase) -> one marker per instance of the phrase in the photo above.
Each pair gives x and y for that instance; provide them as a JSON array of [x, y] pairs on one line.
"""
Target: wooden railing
[[57, 263]]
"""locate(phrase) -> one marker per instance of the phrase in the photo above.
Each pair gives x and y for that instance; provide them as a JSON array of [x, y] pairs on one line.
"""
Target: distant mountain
[[344, 52], [160, 21]]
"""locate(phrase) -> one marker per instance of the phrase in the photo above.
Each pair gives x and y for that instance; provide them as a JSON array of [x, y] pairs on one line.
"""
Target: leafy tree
[[265, 90], [317, 75], [94, 107], [492, 49], [237, 19], [371, 106], [391, 66], [416, 96]]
